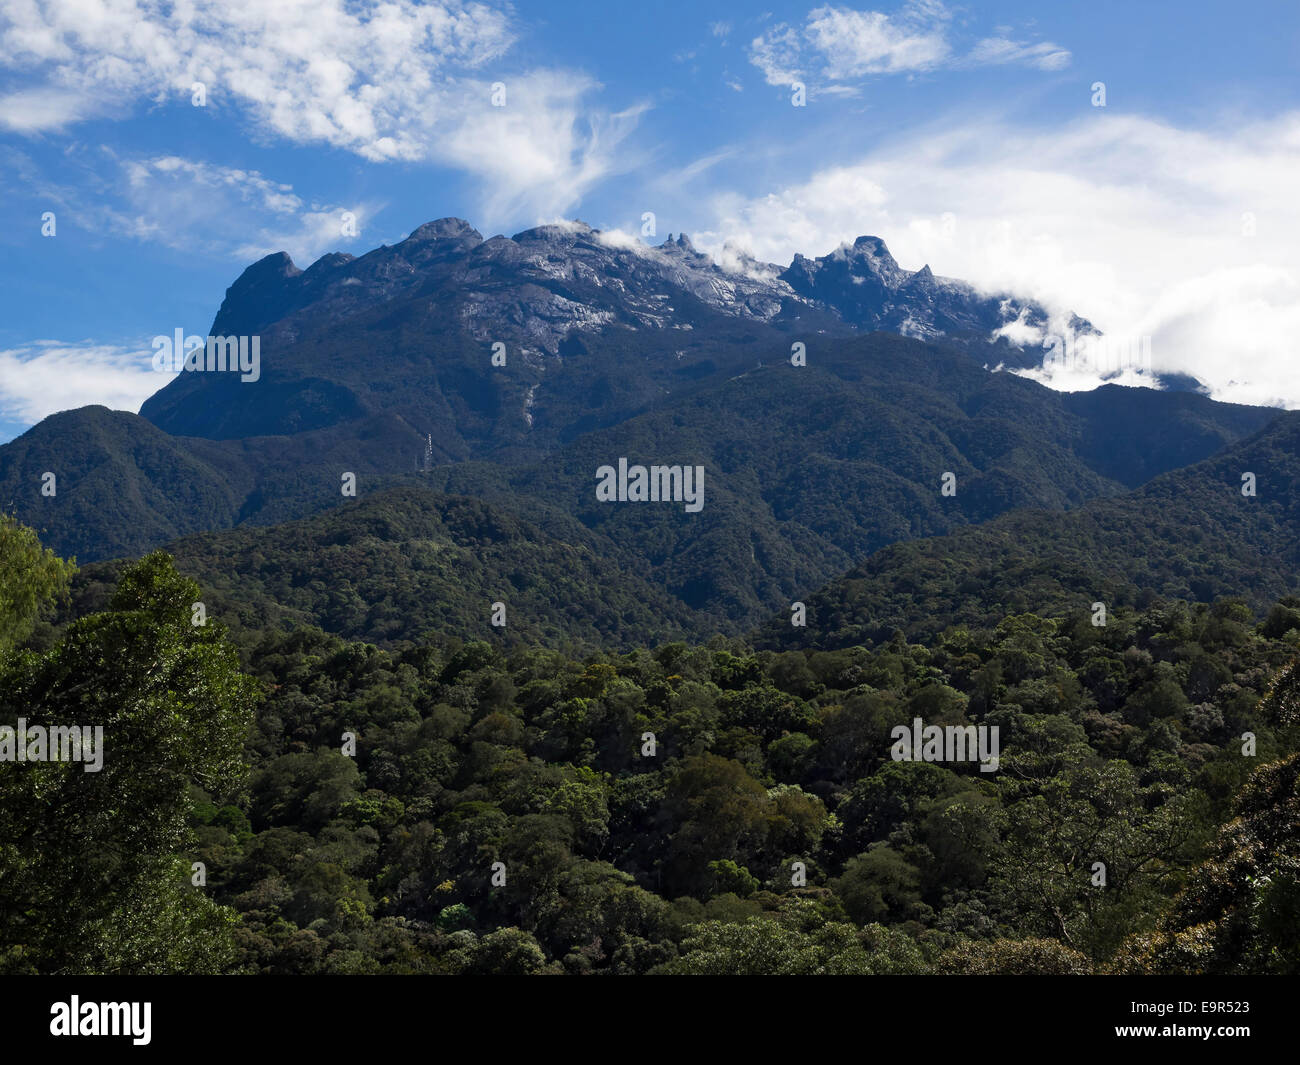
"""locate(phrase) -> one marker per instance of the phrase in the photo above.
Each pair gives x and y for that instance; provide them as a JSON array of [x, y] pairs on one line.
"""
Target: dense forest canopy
[[294, 802]]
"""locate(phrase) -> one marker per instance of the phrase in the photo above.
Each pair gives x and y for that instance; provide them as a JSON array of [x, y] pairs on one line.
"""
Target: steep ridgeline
[[1193, 534], [866, 287], [594, 329], [381, 364]]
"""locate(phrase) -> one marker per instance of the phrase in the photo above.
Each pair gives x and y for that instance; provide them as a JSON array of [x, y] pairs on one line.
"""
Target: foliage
[[95, 864], [503, 812]]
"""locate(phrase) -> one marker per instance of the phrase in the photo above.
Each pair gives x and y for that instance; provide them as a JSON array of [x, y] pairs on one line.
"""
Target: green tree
[[1240, 912], [94, 866], [31, 578]]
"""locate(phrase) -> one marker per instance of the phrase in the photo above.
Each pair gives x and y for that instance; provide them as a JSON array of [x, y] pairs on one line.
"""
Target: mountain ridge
[[386, 363]]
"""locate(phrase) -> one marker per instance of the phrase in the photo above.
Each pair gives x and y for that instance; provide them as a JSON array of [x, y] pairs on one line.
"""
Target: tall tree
[[95, 875]]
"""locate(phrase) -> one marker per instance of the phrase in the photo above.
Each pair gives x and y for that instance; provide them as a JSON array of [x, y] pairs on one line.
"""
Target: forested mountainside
[[1224, 527], [534, 353], [792, 500], [410, 560]]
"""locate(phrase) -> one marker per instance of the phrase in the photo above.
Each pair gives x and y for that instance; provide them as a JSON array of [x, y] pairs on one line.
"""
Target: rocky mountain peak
[[546, 283], [329, 261], [555, 232], [446, 229], [260, 295]]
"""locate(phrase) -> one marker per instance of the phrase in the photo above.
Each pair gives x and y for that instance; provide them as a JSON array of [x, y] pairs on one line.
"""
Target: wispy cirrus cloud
[[248, 185], [539, 155], [190, 205], [840, 44], [998, 51]]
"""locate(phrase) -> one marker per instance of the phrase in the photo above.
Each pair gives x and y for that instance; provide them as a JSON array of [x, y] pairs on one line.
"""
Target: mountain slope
[[405, 562], [381, 364], [807, 470], [120, 485], [124, 487], [1190, 534]]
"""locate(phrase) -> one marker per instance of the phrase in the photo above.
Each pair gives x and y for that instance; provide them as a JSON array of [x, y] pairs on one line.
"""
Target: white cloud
[[398, 80], [1083, 379], [538, 155], [190, 204], [309, 234], [47, 376], [147, 175], [777, 54], [351, 76], [1135, 224], [855, 43], [999, 51], [194, 206], [841, 44], [672, 179], [40, 109]]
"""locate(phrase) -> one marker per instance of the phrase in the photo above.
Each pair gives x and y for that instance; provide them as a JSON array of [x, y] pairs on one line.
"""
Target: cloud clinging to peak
[[1186, 237]]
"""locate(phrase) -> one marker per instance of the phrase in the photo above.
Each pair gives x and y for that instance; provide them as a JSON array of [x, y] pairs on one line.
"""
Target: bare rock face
[[595, 325]]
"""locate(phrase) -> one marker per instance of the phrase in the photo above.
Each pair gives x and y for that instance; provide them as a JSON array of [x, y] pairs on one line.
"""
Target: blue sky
[[964, 135]]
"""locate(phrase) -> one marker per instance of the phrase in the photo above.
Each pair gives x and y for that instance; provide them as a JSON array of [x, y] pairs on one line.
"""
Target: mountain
[[592, 333], [595, 328], [865, 286], [649, 781], [808, 470], [1190, 534], [382, 364]]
